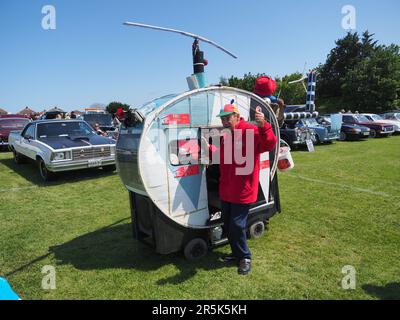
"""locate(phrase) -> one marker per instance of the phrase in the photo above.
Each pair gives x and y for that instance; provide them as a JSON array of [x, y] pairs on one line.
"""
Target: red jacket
[[238, 188]]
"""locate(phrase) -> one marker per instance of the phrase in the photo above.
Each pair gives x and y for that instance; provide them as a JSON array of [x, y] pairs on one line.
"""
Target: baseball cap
[[227, 110]]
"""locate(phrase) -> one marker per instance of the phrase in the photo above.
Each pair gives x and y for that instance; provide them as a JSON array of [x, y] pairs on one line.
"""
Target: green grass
[[340, 206]]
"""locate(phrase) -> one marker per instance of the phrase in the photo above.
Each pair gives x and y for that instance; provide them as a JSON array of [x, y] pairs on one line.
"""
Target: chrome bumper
[[76, 165]]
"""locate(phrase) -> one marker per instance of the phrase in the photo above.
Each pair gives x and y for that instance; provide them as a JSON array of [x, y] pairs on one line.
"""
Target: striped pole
[[311, 83]]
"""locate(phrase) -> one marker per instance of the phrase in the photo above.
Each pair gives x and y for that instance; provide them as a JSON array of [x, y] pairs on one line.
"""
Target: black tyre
[[45, 174], [110, 168], [195, 249], [342, 136], [257, 230], [372, 134], [18, 158]]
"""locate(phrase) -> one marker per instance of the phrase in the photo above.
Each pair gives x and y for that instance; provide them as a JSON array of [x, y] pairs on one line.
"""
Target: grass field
[[340, 206]]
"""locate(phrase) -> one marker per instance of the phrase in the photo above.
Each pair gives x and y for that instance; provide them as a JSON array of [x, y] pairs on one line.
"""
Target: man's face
[[230, 121]]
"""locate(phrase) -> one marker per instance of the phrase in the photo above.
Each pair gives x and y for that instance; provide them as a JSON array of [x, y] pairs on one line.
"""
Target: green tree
[[290, 93], [340, 60], [359, 74], [374, 84], [114, 106], [245, 83]]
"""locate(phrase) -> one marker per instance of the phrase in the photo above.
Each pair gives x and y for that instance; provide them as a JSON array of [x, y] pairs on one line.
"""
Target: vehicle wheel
[[257, 230], [110, 168], [195, 249], [342, 136], [18, 158], [44, 172], [372, 134], [317, 140]]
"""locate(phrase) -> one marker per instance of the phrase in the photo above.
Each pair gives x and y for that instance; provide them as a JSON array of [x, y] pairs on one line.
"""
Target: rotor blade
[[188, 34], [295, 81]]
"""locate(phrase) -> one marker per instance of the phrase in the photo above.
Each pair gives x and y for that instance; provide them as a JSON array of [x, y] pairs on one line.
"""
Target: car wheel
[[372, 134], [195, 249], [45, 174], [110, 168], [257, 230], [342, 136], [18, 158]]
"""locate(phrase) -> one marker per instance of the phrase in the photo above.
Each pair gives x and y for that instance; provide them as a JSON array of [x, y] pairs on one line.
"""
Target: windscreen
[[13, 124], [60, 129], [103, 119]]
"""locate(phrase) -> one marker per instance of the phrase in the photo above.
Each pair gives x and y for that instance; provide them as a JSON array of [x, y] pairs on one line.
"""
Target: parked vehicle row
[[351, 127]]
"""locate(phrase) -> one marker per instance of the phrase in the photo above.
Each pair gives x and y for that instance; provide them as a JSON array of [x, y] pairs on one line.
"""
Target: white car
[[377, 118], [62, 145]]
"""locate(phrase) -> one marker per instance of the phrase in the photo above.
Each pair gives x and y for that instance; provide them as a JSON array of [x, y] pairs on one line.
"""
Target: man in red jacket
[[239, 178]]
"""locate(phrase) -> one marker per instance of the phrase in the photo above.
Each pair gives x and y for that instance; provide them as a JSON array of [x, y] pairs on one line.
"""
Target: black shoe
[[244, 266], [229, 258]]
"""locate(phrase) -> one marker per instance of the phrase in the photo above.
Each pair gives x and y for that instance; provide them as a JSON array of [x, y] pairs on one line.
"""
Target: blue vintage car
[[323, 132]]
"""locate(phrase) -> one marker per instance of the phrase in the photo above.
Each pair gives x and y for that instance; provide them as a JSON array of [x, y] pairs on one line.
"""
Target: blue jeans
[[235, 216]]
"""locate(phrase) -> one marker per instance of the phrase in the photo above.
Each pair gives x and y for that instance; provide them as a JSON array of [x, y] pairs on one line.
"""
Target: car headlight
[[355, 130], [65, 155]]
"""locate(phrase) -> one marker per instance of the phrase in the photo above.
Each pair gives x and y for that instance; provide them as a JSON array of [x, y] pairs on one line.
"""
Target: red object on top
[[236, 188], [120, 113], [265, 86]]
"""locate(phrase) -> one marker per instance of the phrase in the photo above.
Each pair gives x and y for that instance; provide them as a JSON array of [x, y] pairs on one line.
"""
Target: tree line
[[358, 74]]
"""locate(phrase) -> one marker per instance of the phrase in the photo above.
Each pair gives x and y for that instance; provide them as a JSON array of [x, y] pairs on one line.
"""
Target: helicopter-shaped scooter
[[174, 202]]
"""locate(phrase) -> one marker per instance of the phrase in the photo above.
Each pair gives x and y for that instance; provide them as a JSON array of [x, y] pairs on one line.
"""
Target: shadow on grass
[[29, 171], [389, 292], [114, 247]]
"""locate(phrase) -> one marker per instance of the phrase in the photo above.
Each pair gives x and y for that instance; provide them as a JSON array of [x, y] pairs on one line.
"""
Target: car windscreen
[[375, 117], [13, 124], [361, 118], [59, 129], [310, 122], [102, 119]]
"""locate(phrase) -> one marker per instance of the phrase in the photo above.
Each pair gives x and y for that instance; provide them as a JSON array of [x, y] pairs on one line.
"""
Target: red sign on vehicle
[[187, 171], [182, 118]]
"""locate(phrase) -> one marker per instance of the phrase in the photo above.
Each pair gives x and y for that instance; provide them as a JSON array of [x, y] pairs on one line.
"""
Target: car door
[[27, 142]]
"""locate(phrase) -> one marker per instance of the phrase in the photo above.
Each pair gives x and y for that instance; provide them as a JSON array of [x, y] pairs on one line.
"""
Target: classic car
[[348, 131], [295, 136], [324, 131], [391, 115], [377, 118], [377, 129], [10, 123], [62, 145]]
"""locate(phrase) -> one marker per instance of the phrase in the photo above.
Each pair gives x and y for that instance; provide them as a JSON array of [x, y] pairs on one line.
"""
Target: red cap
[[265, 86]]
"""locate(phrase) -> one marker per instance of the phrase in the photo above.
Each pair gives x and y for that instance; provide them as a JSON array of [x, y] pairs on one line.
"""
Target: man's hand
[[259, 117]]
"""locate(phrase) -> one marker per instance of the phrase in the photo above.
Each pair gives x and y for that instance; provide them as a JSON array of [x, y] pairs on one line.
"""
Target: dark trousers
[[235, 216]]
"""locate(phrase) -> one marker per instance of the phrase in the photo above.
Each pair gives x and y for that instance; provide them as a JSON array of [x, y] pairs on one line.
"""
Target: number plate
[[310, 145], [94, 163], [366, 133]]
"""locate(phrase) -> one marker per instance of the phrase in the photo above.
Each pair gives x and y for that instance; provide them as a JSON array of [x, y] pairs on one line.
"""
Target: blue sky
[[92, 58]]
